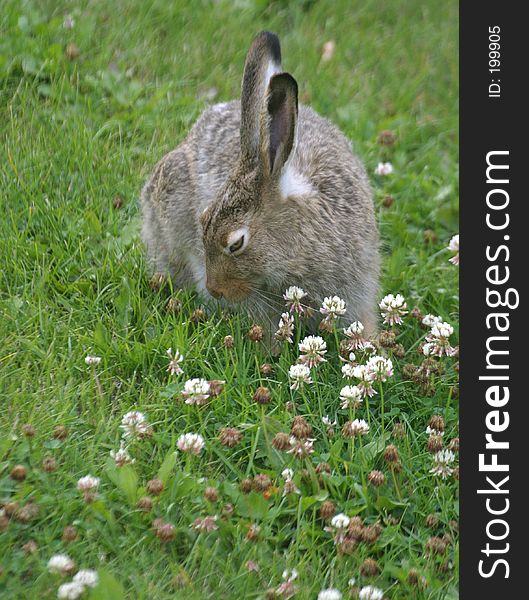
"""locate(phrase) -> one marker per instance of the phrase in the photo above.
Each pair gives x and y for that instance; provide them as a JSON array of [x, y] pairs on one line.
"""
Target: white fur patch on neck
[[293, 183]]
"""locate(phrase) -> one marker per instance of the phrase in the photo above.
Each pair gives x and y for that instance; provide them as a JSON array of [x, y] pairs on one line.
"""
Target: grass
[[80, 134]]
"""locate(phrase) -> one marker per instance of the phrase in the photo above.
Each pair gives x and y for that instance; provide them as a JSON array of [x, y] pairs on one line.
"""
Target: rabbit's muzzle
[[232, 291]]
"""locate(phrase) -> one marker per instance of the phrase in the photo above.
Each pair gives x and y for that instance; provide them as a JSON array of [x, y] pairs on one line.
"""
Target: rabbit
[[263, 195]]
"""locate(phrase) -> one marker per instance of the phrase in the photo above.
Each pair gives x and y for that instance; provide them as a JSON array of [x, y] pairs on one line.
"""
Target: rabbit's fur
[[283, 185]]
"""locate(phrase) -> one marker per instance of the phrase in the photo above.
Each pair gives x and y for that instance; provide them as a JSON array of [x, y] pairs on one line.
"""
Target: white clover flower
[[351, 396], [134, 424], [437, 342], [207, 524], [60, 563], [293, 296], [379, 368], [300, 448], [121, 456], [287, 474], [328, 51], [86, 577], [370, 593], [196, 391], [431, 320], [355, 428], [393, 308], [69, 22], [355, 333], [290, 575], [442, 461], [174, 362], [453, 246], [384, 168], [92, 360], [328, 423], [432, 431], [70, 591], [330, 594], [190, 442], [299, 374], [365, 384], [312, 349], [332, 307], [88, 483], [285, 329], [348, 371], [368, 348], [340, 521]]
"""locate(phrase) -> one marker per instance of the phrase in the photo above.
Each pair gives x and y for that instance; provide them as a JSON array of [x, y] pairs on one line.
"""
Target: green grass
[[78, 133]]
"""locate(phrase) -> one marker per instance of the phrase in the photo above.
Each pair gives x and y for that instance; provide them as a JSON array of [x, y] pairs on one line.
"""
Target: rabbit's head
[[242, 245]]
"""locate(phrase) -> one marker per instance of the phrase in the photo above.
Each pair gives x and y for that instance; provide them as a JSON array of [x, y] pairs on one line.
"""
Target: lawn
[[92, 94]]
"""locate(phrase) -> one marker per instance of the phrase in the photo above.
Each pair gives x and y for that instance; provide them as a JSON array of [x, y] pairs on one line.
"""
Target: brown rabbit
[[260, 197]]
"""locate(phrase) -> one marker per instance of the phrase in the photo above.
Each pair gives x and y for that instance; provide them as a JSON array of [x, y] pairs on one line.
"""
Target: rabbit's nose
[[214, 291]]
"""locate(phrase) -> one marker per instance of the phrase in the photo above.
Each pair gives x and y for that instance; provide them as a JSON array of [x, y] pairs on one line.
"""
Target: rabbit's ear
[[262, 61], [278, 122]]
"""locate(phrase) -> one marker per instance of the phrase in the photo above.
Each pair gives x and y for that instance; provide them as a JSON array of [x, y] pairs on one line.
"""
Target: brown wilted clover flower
[[436, 545], [327, 509], [391, 454], [435, 443], [266, 369], [246, 486], [300, 429], [432, 521], [69, 534], [386, 137], [281, 441], [157, 281], [262, 396], [198, 316], [49, 464], [261, 482], [165, 532], [27, 513], [437, 422], [30, 547], [413, 577], [28, 430], [388, 201], [18, 473], [145, 503], [205, 524], [356, 527], [230, 436], [376, 478], [369, 568], [323, 468], [255, 334], [60, 432], [371, 533], [155, 487], [211, 494], [215, 387], [454, 445], [253, 532], [229, 342], [399, 431], [387, 339], [174, 306]]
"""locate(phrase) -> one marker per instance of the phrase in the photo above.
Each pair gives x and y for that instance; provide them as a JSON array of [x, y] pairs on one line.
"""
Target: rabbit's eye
[[237, 241], [236, 245]]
